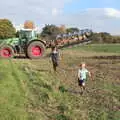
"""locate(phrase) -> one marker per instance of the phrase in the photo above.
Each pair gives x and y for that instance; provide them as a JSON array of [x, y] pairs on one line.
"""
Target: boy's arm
[[90, 75], [88, 72]]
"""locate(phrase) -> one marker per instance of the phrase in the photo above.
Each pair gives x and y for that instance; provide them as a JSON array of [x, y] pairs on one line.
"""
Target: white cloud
[[99, 19], [56, 12], [37, 10], [112, 12], [51, 12]]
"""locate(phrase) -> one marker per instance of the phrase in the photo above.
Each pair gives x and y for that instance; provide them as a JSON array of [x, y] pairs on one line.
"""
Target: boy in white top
[[82, 76]]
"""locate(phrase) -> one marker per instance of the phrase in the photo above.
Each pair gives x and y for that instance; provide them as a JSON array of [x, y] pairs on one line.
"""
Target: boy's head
[[54, 48], [83, 65]]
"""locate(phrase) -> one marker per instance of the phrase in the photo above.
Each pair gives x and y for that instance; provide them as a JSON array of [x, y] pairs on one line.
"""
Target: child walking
[[55, 57], [82, 76]]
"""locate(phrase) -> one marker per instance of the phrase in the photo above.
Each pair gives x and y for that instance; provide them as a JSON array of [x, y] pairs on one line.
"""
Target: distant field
[[30, 90], [108, 48]]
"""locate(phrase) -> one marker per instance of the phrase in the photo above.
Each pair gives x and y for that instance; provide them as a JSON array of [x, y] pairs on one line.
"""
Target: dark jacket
[[55, 56]]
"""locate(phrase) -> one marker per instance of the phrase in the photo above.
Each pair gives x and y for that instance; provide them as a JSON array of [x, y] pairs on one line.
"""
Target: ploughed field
[[31, 90]]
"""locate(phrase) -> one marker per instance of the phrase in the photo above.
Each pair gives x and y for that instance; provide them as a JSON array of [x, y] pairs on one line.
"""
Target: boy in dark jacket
[[55, 57]]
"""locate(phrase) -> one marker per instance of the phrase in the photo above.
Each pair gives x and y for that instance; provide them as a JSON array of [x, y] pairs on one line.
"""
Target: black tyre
[[6, 51], [35, 50]]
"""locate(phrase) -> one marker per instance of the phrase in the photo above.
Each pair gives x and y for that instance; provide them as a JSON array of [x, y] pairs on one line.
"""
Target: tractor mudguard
[[44, 43]]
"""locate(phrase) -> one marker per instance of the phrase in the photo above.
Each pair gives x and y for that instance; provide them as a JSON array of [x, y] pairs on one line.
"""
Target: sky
[[98, 15]]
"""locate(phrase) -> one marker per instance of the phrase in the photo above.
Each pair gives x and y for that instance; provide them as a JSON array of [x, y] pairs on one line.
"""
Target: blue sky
[[98, 15], [79, 5]]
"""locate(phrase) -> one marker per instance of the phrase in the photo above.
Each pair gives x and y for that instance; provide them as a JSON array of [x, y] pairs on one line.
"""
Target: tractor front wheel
[[6, 52], [35, 50]]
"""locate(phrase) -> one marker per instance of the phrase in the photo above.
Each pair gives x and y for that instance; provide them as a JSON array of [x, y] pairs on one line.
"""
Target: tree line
[[49, 32], [104, 37]]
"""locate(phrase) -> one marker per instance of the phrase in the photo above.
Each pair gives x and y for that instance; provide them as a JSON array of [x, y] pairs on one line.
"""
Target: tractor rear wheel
[[6, 52], [35, 50]]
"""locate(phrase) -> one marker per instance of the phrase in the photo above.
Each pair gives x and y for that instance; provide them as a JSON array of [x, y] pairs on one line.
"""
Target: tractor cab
[[27, 34]]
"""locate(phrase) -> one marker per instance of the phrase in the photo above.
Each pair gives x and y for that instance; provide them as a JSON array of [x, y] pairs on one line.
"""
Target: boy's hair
[[53, 47], [82, 63]]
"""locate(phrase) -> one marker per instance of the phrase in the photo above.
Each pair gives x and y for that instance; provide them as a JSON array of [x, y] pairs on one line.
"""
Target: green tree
[[50, 32], [62, 29], [104, 37], [6, 29], [115, 39], [72, 30]]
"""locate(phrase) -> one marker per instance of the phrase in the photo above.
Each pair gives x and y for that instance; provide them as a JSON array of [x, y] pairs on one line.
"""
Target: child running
[[82, 76]]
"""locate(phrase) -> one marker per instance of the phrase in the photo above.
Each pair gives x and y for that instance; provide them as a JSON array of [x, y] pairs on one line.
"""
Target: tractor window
[[34, 34], [26, 34]]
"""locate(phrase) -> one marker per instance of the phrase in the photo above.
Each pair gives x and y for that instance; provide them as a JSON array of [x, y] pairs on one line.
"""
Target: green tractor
[[27, 43]]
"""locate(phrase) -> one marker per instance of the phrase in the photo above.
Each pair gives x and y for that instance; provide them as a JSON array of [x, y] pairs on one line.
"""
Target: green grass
[[12, 95], [30, 90], [107, 48]]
